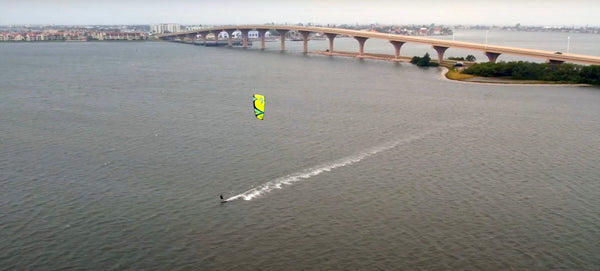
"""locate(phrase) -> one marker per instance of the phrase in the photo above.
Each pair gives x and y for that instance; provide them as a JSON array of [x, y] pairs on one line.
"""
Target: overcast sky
[[217, 12]]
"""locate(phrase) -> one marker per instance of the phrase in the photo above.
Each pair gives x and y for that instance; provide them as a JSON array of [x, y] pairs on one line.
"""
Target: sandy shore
[[364, 56], [503, 81]]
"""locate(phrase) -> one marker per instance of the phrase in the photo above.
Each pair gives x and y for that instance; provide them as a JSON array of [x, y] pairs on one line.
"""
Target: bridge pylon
[[440, 51], [492, 57], [262, 32], [331, 37], [361, 45], [305, 35], [282, 33], [397, 45]]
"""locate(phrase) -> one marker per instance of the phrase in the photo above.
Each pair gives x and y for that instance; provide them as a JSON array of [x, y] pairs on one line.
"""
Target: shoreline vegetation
[[565, 73], [497, 73]]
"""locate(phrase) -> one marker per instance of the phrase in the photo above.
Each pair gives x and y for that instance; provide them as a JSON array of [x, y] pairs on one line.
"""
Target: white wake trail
[[303, 175]]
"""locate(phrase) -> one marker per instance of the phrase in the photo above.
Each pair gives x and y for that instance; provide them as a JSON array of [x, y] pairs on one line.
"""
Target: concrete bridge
[[440, 46]]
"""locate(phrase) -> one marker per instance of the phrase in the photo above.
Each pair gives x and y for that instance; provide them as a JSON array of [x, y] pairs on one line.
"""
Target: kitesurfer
[[222, 199]]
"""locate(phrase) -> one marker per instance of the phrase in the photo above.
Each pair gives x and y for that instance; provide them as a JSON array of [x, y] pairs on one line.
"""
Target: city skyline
[[211, 12]]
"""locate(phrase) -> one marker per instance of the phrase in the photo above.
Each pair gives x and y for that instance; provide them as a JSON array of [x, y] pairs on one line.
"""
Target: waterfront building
[[194, 27], [165, 28]]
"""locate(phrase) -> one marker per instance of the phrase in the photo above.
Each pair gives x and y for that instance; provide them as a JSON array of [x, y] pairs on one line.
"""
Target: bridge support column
[[440, 51], [202, 35], [282, 33], [492, 56], [230, 37], [397, 45], [244, 37], [191, 37], [262, 32], [330, 36], [305, 35], [361, 45], [216, 33]]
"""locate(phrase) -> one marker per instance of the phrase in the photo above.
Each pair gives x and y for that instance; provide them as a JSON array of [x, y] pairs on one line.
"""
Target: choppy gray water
[[113, 155]]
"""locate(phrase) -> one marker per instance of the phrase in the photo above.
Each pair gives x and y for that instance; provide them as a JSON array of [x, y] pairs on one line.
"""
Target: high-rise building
[[165, 28]]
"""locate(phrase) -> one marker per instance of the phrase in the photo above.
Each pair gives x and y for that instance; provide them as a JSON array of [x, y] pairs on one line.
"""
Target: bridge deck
[[487, 48]]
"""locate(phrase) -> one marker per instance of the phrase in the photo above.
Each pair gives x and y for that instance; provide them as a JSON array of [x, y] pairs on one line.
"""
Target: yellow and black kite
[[259, 106]]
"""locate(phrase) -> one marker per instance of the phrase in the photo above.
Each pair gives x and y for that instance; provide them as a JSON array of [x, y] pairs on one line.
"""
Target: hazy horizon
[[213, 12]]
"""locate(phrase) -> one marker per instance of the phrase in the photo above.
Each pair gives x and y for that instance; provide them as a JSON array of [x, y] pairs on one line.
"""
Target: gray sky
[[216, 12]]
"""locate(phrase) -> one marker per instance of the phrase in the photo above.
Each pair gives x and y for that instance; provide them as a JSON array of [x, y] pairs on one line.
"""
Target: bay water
[[113, 157]]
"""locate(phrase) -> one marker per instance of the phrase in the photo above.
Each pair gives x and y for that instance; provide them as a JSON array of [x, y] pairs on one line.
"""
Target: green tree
[[424, 61], [590, 75], [471, 58]]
